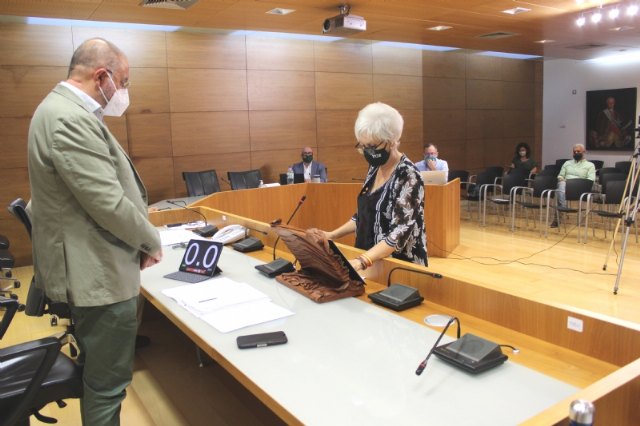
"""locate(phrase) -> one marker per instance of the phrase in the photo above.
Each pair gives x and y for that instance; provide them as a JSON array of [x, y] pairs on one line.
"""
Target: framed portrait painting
[[611, 116]]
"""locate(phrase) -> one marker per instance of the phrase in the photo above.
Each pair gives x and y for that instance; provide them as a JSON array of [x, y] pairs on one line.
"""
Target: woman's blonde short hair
[[379, 122]]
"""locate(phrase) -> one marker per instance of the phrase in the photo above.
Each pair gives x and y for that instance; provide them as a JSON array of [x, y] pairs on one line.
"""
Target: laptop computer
[[434, 177], [297, 178], [199, 262]]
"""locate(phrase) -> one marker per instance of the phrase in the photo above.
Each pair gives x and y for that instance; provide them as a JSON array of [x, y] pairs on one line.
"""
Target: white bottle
[[289, 176], [261, 185]]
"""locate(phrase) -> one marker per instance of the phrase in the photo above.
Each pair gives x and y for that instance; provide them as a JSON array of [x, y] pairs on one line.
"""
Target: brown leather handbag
[[324, 274]]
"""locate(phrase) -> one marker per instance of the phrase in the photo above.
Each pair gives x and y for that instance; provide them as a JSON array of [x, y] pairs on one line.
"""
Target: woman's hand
[[356, 264]]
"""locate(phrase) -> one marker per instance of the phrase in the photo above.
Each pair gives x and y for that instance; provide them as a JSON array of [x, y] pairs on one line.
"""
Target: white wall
[[564, 112]]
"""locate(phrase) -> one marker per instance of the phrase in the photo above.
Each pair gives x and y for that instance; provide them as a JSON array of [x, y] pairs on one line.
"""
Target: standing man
[[431, 160], [579, 167], [310, 168], [91, 235]]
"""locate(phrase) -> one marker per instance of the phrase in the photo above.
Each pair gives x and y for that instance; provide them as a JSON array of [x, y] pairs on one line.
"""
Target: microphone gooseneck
[[423, 364], [190, 209], [278, 221], [431, 274]]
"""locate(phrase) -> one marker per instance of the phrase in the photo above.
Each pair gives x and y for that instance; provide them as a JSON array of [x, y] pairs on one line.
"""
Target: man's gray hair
[[379, 122], [579, 145]]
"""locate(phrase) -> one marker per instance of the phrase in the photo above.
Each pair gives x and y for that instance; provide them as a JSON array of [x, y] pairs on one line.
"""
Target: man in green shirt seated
[[579, 167]]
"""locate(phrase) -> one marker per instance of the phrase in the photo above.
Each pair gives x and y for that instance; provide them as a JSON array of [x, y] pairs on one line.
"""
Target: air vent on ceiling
[[586, 46], [497, 34], [169, 4]]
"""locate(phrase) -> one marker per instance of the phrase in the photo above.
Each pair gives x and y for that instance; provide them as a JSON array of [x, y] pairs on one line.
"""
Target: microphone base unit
[[248, 245], [275, 268], [471, 353], [397, 297], [206, 231]]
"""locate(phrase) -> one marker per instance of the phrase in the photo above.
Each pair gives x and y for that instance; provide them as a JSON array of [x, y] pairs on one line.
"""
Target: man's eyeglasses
[[125, 85], [362, 148]]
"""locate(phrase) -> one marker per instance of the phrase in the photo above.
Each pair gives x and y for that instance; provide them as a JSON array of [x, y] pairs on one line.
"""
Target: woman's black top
[[394, 213]]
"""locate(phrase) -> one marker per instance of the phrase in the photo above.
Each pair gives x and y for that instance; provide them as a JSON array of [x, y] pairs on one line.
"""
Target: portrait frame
[[611, 129]]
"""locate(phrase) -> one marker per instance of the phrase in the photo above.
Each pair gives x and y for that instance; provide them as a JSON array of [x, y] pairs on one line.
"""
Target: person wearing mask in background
[[431, 160], [91, 234], [522, 159], [390, 217], [309, 168], [579, 167]]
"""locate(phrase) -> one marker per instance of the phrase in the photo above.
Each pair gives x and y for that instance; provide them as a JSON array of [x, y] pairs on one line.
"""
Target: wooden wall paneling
[[149, 90], [484, 123], [444, 93], [450, 64], [158, 177], [518, 123], [344, 164], [35, 45], [335, 128], [210, 132], [143, 48], [442, 125], [412, 139], [324, 212], [519, 96], [272, 162], [343, 91], [282, 129], [24, 87], [496, 152], [20, 242], [281, 90], [193, 90], [118, 128], [149, 135], [205, 50], [484, 94], [480, 67], [474, 154], [269, 53], [453, 151], [518, 70], [401, 92], [14, 133], [396, 61], [222, 163], [344, 56]]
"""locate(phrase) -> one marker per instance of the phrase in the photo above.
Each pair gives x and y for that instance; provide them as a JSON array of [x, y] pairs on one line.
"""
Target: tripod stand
[[626, 211]]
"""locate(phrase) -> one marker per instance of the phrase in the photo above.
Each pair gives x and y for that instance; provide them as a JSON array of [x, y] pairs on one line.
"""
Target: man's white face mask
[[119, 102]]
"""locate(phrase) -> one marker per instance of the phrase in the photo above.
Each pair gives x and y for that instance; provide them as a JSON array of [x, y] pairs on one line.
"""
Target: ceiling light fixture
[[596, 17], [280, 11], [545, 41], [516, 10], [632, 10], [440, 28], [614, 13], [581, 21]]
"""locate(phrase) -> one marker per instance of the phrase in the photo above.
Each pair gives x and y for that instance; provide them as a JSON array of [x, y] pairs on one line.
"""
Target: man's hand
[[147, 260], [431, 164]]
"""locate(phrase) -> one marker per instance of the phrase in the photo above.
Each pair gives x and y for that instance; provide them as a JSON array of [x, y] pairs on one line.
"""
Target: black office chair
[[561, 161], [244, 180], [608, 204], [537, 197], [33, 374], [575, 190], [7, 262], [201, 183], [598, 164], [505, 194], [38, 303], [623, 166]]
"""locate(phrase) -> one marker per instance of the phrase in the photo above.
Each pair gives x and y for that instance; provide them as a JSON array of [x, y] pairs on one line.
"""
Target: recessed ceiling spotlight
[[632, 10], [545, 41], [581, 21], [614, 13], [280, 11], [516, 10], [440, 28], [596, 17]]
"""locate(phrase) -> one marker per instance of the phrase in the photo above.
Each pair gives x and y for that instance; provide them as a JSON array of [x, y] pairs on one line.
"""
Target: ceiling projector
[[344, 24]]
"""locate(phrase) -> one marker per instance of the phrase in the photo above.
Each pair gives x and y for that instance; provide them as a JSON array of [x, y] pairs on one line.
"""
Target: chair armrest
[[11, 306], [4, 242]]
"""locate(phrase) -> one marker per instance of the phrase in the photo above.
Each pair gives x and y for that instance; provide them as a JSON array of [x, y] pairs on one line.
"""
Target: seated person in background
[[431, 160], [579, 167], [522, 159], [310, 168]]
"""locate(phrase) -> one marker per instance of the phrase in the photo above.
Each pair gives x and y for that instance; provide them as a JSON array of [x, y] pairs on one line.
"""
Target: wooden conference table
[[363, 350]]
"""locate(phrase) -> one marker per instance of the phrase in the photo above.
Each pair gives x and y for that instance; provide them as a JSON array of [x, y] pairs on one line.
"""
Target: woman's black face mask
[[376, 157]]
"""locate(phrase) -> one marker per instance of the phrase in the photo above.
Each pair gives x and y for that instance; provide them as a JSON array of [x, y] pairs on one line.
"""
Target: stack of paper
[[225, 304]]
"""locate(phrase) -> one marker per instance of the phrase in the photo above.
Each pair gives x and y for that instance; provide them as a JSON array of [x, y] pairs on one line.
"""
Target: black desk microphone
[[279, 265], [204, 231], [423, 364]]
